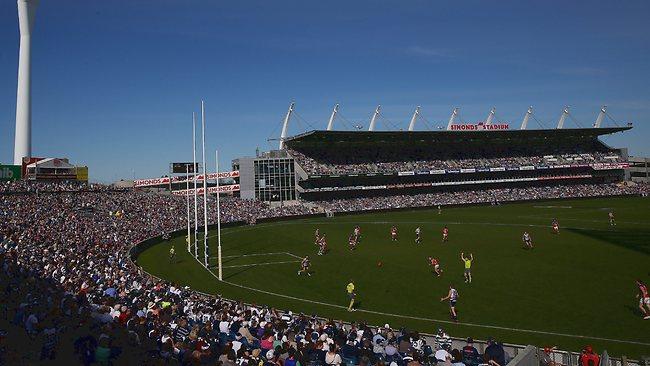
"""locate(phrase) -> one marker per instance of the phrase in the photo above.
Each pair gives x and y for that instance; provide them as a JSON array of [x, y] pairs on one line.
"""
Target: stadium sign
[[166, 180], [10, 172], [480, 126], [199, 191]]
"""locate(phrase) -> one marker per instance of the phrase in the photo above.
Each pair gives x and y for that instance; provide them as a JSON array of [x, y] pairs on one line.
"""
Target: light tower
[[23, 139]]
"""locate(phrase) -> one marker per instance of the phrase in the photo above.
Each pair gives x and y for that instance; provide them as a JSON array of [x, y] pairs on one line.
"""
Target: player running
[[352, 243], [439, 210], [610, 215], [322, 245], [351, 294], [452, 296], [418, 235], [317, 237], [357, 233], [556, 226], [644, 299], [445, 234], [433, 262], [528, 241], [172, 254], [304, 266], [393, 233], [468, 266]]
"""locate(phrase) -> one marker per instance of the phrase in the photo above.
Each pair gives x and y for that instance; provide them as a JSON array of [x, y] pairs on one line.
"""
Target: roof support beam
[[373, 120], [601, 116], [490, 116], [452, 119], [524, 123], [414, 118], [285, 125], [565, 112], [330, 124]]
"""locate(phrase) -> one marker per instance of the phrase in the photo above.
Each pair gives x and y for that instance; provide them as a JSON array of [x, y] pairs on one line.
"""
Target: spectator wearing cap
[[470, 354], [588, 357]]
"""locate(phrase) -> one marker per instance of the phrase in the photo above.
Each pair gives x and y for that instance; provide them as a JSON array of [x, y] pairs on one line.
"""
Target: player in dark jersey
[[556, 226], [352, 242], [393, 233], [304, 266], [322, 245], [452, 296], [644, 299], [445, 234], [433, 262]]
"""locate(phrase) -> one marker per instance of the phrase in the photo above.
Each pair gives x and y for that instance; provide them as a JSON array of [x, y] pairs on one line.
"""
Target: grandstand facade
[[326, 165]]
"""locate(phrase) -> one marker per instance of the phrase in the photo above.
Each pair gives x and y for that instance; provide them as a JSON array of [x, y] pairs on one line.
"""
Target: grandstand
[[336, 164]]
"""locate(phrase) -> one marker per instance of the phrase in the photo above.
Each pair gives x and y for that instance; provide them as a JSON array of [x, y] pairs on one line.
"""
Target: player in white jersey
[[304, 266], [418, 235], [452, 296], [528, 241], [316, 237], [393, 233], [610, 215], [357, 233]]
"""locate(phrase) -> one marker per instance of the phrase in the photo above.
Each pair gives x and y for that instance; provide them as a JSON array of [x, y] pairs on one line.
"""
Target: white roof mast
[[565, 112], [330, 124], [414, 118], [373, 120], [490, 116], [452, 119], [285, 126], [601, 116], [524, 123]]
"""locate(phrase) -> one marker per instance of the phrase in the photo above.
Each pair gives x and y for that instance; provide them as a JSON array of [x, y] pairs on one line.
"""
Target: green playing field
[[572, 289]]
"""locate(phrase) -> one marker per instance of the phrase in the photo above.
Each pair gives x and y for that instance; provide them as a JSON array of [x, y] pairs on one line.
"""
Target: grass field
[[573, 289]]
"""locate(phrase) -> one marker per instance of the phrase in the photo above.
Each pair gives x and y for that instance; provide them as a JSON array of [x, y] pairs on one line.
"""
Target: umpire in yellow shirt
[[351, 294]]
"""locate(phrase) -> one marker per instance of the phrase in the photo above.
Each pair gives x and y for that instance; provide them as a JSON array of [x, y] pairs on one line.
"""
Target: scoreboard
[[182, 168]]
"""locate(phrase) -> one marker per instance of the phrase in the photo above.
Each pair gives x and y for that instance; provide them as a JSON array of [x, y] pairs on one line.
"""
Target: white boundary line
[[249, 255], [259, 264]]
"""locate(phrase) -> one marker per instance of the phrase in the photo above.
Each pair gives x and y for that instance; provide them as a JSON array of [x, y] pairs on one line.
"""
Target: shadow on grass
[[637, 240]]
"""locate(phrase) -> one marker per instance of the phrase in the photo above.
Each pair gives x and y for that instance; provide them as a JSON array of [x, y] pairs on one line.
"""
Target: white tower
[[23, 139]]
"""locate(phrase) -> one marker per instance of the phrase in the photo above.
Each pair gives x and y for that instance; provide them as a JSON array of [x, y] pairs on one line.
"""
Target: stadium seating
[[71, 293]]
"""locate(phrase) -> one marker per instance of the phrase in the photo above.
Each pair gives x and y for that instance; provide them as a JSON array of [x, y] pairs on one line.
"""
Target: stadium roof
[[319, 136]]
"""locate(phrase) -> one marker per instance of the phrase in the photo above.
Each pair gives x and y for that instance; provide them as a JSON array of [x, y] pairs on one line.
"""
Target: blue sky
[[115, 82]]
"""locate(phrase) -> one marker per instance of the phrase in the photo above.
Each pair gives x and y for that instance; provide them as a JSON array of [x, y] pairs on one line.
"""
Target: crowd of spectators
[[25, 186], [318, 165], [494, 196], [71, 294]]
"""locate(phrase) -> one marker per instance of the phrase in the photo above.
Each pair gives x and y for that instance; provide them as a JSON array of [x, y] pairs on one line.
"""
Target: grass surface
[[578, 285]]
